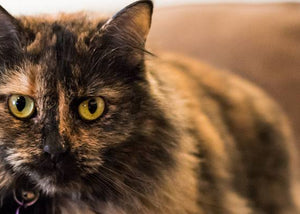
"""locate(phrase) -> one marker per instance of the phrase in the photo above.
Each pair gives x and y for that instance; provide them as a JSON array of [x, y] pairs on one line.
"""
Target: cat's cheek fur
[[6, 180]]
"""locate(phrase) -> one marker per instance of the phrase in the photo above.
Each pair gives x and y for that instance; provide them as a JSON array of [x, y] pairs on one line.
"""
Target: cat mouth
[[55, 180], [59, 173], [56, 172]]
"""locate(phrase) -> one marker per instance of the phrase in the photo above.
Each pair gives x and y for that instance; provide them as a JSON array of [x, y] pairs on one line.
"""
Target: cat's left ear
[[10, 42], [128, 29]]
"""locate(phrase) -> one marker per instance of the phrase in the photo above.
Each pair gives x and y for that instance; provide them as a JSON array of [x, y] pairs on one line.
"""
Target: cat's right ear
[[10, 43], [125, 33]]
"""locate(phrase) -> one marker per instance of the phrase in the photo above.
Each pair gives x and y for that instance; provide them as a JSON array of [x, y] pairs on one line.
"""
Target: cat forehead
[[52, 54], [37, 81], [58, 55], [60, 40], [44, 31], [28, 79]]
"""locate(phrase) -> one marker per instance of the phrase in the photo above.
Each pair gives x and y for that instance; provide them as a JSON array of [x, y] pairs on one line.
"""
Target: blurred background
[[37, 6], [259, 40]]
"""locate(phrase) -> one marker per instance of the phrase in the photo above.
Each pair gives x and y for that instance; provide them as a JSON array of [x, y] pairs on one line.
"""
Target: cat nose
[[53, 145], [54, 150]]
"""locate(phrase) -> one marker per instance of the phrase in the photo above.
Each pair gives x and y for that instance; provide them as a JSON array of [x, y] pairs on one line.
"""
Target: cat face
[[64, 71]]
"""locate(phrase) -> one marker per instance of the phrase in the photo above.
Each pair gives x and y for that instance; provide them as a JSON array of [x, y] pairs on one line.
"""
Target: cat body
[[175, 136]]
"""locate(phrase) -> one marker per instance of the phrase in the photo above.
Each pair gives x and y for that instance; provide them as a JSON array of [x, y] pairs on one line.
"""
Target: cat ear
[[10, 45], [131, 23], [127, 30]]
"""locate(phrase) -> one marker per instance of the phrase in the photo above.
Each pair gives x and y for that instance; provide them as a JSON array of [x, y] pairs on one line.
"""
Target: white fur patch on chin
[[49, 186]]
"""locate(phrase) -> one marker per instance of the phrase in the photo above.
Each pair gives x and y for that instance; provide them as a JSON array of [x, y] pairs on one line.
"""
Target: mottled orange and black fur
[[176, 137]]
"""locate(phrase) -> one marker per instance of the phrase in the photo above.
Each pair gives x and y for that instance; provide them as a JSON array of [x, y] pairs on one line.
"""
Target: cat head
[[75, 108]]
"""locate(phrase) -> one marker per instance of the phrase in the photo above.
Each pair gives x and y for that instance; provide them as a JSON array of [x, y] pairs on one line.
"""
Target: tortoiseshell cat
[[89, 126]]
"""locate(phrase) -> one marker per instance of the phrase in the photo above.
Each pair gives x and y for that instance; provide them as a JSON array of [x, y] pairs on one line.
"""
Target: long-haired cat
[[88, 125]]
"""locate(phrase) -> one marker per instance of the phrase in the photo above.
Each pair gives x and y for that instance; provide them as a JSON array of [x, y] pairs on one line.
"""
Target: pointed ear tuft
[[10, 45], [135, 18], [119, 45], [126, 30]]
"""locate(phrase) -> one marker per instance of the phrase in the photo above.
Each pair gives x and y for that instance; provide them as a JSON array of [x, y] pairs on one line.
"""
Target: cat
[[93, 123]]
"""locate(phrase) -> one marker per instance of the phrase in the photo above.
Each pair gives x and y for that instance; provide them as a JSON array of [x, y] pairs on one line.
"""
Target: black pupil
[[20, 103], [92, 106]]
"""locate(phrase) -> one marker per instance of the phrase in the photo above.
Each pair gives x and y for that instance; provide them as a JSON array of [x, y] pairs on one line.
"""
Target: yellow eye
[[21, 106], [92, 108]]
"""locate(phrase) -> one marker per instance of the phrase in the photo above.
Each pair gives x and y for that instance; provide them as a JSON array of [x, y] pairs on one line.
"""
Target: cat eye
[[21, 106], [92, 108]]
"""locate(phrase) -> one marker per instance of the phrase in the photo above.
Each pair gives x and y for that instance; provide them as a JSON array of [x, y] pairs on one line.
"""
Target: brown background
[[260, 42]]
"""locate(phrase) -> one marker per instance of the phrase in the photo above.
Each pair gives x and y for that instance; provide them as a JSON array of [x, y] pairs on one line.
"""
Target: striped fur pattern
[[176, 137]]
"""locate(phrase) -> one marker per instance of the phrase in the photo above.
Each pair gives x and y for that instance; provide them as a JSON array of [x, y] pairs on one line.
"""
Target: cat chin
[[49, 186]]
